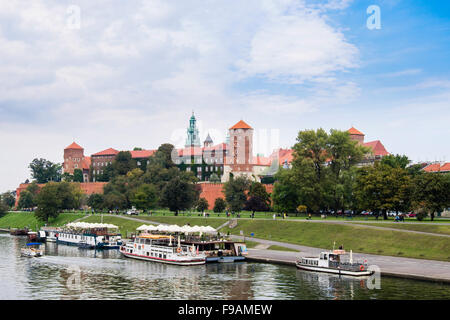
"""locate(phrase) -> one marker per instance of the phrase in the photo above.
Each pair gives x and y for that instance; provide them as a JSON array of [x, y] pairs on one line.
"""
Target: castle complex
[[234, 157], [225, 160]]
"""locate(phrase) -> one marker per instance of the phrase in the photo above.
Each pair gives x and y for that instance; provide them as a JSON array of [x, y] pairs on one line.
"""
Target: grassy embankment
[[441, 229], [27, 219], [322, 235]]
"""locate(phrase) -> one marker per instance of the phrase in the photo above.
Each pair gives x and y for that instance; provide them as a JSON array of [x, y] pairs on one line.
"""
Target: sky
[[127, 74]]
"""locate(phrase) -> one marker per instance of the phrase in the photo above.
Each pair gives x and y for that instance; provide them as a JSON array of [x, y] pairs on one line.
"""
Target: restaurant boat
[[161, 248], [334, 262], [89, 236], [32, 250], [205, 239]]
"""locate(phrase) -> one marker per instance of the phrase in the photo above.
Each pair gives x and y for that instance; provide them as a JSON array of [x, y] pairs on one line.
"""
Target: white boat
[[160, 248], [334, 262], [32, 250], [89, 236]]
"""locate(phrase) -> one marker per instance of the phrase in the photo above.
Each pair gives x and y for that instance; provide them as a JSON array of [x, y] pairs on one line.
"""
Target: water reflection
[[107, 275]]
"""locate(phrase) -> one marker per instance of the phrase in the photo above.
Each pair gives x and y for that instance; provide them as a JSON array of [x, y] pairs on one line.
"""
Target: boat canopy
[[177, 229], [85, 225], [34, 244]]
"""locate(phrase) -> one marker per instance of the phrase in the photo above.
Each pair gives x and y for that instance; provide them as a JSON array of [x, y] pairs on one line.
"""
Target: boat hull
[[192, 262], [335, 271]]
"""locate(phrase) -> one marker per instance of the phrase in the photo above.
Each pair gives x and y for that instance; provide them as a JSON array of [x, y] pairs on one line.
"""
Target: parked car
[[412, 215], [132, 212]]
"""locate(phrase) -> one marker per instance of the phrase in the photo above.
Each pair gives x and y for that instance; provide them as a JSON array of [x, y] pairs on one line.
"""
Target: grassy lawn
[[181, 221], [441, 229], [359, 239], [27, 219]]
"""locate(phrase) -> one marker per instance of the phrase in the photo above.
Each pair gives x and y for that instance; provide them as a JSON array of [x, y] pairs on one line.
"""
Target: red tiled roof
[[377, 148], [74, 145], [241, 125], [436, 167], [354, 131], [86, 163], [445, 166], [107, 152], [283, 155], [137, 154], [190, 151]]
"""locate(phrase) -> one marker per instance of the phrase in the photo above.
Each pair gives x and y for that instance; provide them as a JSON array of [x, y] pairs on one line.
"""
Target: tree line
[[327, 176]]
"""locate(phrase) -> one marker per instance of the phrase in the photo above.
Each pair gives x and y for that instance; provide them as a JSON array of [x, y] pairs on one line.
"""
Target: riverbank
[[426, 270], [364, 239]]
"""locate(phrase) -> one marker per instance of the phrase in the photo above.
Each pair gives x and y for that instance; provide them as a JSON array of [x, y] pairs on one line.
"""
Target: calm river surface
[[107, 275]]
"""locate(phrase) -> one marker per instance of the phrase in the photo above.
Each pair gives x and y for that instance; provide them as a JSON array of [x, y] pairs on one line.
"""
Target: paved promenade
[[389, 266]]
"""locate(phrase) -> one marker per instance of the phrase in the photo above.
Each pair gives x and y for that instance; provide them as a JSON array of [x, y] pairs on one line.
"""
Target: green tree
[[44, 171], [219, 205], [382, 188], [285, 195], [397, 161], [432, 192], [123, 163], [26, 200], [77, 175], [163, 156], [70, 195], [115, 200], [214, 178], [178, 195], [258, 190], [48, 202], [202, 205], [67, 177], [145, 197], [8, 199], [235, 193], [96, 201], [3, 209]]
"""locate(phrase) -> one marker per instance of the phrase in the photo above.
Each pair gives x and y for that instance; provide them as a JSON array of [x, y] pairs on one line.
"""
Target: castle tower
[[356, 135], [208, 141], [73, 158], [241, 147], [193, 137]]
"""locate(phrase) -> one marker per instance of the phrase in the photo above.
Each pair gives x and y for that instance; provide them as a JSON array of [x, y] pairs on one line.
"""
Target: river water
[[66, 272]]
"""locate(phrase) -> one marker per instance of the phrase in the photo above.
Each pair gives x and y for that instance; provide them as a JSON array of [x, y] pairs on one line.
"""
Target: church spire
[[193, 137]]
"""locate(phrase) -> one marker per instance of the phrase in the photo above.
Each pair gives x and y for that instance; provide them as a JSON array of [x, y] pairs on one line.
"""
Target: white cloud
[[133, 72]]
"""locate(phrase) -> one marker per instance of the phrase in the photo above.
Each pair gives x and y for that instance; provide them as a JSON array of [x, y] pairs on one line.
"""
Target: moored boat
[[89, 236], [161, 248], [39, 236], [32, 250], [334, 262], [18, 232], [205, 239]]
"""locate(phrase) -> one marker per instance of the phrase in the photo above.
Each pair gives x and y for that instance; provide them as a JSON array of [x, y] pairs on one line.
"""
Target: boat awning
[[33, 243]]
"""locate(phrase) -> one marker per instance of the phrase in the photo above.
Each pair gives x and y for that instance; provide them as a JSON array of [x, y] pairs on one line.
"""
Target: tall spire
[[193, 137]]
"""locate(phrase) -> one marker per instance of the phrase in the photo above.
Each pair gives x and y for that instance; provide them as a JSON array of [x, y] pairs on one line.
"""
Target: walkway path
[[391, 266]]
